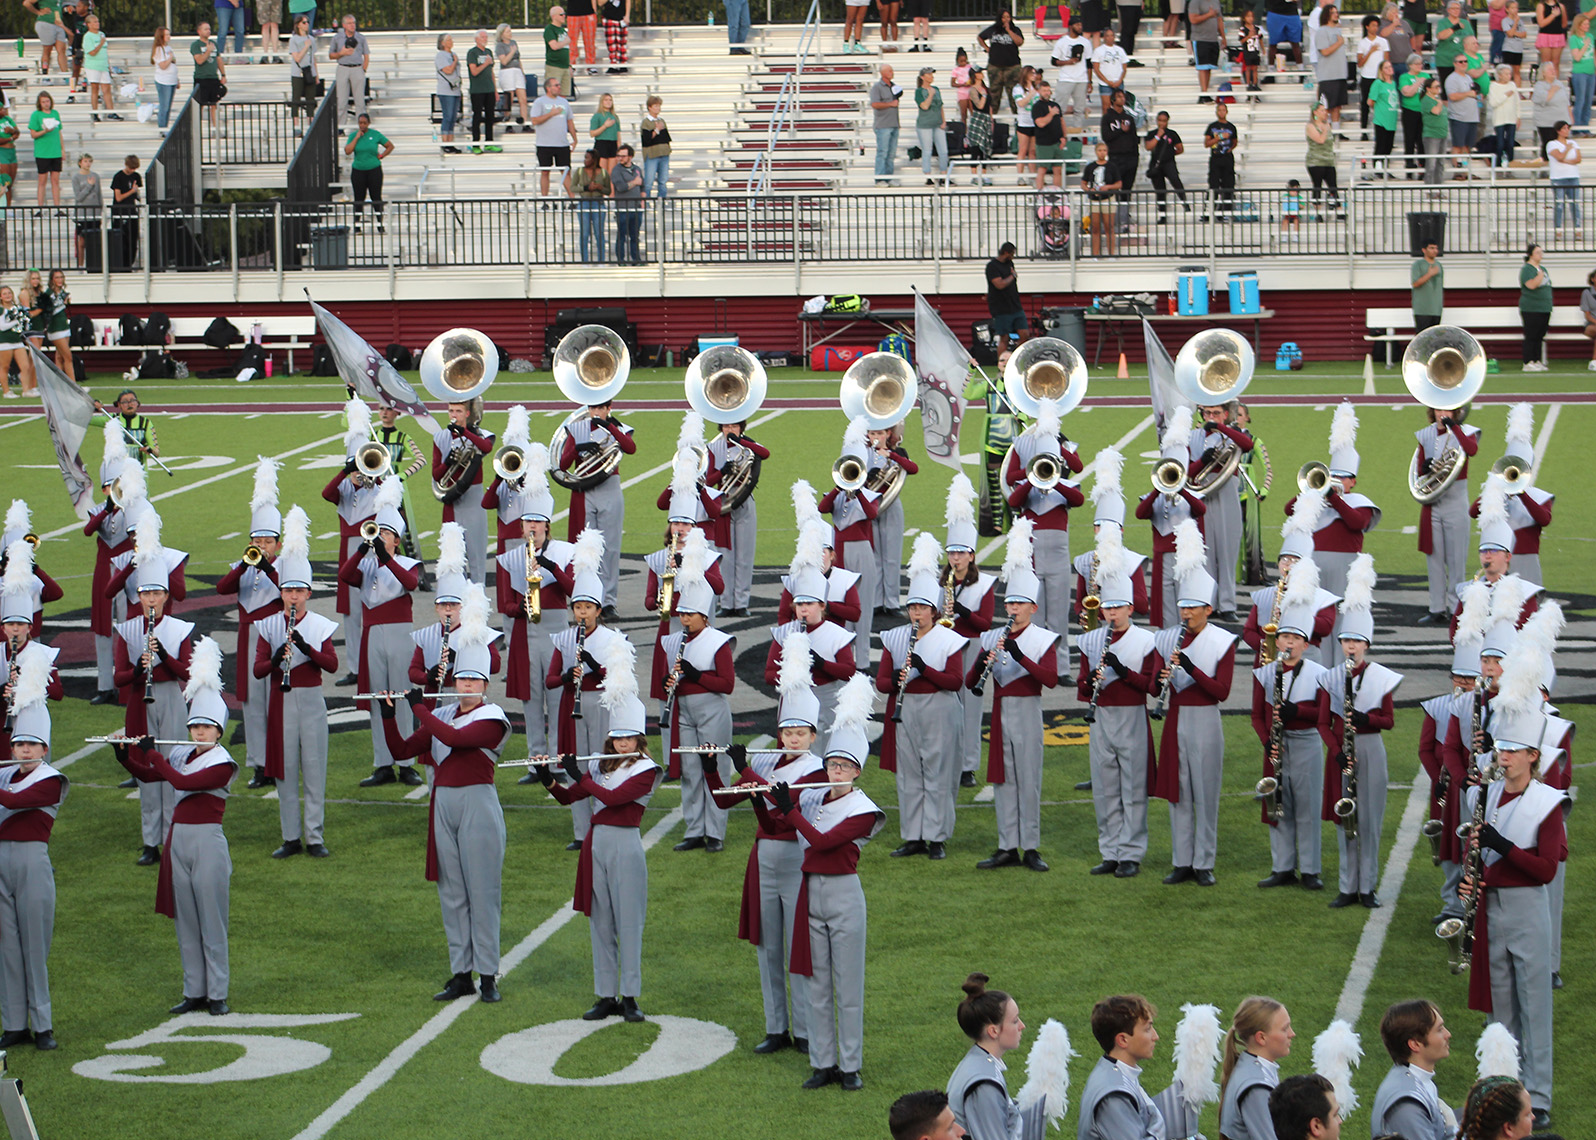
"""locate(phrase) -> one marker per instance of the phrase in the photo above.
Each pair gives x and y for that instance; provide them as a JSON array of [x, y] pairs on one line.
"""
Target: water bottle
[[268, 365], [708, 23]]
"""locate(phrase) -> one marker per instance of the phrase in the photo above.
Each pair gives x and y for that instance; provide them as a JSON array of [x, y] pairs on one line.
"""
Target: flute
[[539, 761], [745, 789], [401, 693], [713, 748], [134, 740]]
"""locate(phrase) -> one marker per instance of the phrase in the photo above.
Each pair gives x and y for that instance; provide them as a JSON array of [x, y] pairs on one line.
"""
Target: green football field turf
[[356, 939]]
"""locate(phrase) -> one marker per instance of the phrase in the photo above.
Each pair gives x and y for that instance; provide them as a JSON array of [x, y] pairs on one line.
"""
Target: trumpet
[[1044, 471], [1169, 477], [368, 530], [1315, 476], [253, 555], [509, 464], [31, 539], [373, 461]]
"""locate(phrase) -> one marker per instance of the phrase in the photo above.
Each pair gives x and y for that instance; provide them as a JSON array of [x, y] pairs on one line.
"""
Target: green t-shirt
[[46, 145], [366, 148], [1587, 64], [610, 133], [8, 146], [1534, 300], [553, 56], [48, 10], [1387, 109], [208, 69], [1427, 297], [481, 81], [95, 57], [1415, 101], [1434, 125], [1448, 49], [930, 109], [1484, 78]]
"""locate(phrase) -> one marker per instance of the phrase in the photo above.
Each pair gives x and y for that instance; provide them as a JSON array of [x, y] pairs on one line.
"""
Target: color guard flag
[[368, 372], [943, 363], [68, 410]]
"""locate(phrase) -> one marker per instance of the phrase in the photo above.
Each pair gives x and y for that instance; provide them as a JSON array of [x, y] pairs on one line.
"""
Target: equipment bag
[[847, 303], [321, 361], [895, 343], [400, 357], [157, 328], [1288, 358], [130, 329], [221, 333], [157, 366], [80, 330], [836, 358]]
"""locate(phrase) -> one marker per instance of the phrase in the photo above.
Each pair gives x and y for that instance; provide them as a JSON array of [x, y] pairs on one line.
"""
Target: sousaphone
[[881, 387]]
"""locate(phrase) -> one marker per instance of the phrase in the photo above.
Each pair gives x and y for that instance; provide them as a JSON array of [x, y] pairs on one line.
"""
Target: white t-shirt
[[1072, 71], [165, 66], [1313, 27], [1555, 153], [1022, 107], [1111, 60], [1371, 66]]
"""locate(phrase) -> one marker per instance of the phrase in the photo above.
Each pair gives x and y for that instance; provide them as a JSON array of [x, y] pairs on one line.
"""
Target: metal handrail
[[789, 101]]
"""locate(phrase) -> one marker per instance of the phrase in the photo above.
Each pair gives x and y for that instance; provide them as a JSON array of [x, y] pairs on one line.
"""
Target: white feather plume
[[926, 557], [1177, 429], [1360, 584], [390, 493], [794, 674], [695, 560], [536, 477], [1521, 429], [1508, 597], [357, 424], [451, 549], [265, 493], [810, 551], [19, 517], [1476, 617], [518, 432], [1523, 671], [588, 552], [619, 659], [1190, 553], [115, 442], [1344, 427], [135, 487], [147, 542], [1336, 1052], [1112, 558], [691, 433], [856, 440], [804, 508], [961, 500], [1493, 503], [1047, 1072], [33, 680], [1109, 473], [19, 567], [684, 474], [1198, 1051], [473, 628], [1302, 588], [1047, 422], [854, 702], [1305, 513], [204, 669], [1017, 554], [1497, 1052], [1544, 627], [296, 533]]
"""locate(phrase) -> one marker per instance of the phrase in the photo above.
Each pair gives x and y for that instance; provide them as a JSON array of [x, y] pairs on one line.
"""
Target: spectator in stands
[[888, 11], [1581, 70], [125, 186], [1429, 286], [1130, 22], [1450, 31], [1479, 64], [1002, 42], [961, 82], [97, 70], [1207, 34], [367, 149], [590, 186], [1515, 32], [1399, 44], [164, 60], [1433, 107], [1118, 130], [352, 54], [230, 12], [1311, 31], [302, 73], [657, 149], [555, 134], [1503, 107], [72, 14], [305, 8], [1462, 111], [1411, 88], [1562, 162], [1250, 40], [1497, 12], [557, 50], [1003, 302], [978, 127], [1385, 110], [44, 126], [1100, 180], [1330, 67], [269, 15], [1550, 103], [616, 16], [604, 128], [920, 12], [1321, 160], [626, 183], [1072, 84], [1220, 139], [1534, 306], [1551, 18], [581, 19], [884, 97], [9, 133], [1095, 20], [1049, 117], [210, 71], [1108, 65], [1163, 146], [479, 84], [447, 64], [1283, 22], [852, 24], [1587, 309], [1025, 94], [52, 32], [512, 77], [87, 201], [1373, 50], [930, 124]]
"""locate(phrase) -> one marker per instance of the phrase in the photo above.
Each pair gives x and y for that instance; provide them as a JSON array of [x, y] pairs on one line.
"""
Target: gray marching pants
[[928, 765], [970, 741], [542, 711], [304, 759], [780, 876], [201, 868], [166, 719], [1521, 981], [605, 508], [620, 905], [1222, 526], [255, 713], [27, 922], [1451, 879], [388, 652], [860, 557], [350, 83], [1295, 842], [1171, 585], [1554, 906], [1051, 554], [703, 718], [1019, 798], [1447, 565], [468, 828], [888, 528], [469, 513], [591, 733], [837, 918], [1333, 567], [1528, 567], [351, 620], [104, 663], [1360, 859], [744, 535], [1194, 821], [1117, 750]]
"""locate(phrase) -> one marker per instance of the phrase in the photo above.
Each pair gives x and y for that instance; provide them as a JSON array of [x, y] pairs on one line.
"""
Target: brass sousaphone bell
[[1212, 368], [881, 387], [459, 365], [1444, 369], [1045, 373], [725, 384]]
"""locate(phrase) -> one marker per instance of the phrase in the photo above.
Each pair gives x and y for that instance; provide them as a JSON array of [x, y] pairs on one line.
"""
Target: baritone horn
[[1169, 477], [1444, 369], [849, 472], [1045, 470], [1313, 476], [373, 461]]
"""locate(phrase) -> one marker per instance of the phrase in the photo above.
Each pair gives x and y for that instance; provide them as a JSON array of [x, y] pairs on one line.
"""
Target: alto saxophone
[[948, 599], [1273, 786], [667, 582], [533, 598]]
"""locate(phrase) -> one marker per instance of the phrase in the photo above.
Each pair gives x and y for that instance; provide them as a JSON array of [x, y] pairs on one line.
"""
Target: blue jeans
[[591, 217], [1498, 38], [628, 224], [234, 16], [736, 22], [655, 173], [1506, 140], [886, 150], [1583, 87], [933, 140], [448, 112], [1565, 190], [163, 103]]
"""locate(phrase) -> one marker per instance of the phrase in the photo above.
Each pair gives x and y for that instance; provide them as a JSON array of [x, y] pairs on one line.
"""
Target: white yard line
[[1545, 437], [73, 757]]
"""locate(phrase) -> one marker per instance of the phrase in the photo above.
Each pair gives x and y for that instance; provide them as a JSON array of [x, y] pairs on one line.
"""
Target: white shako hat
[[149, 556], [357, 426], [1296, 533], [693, 593], [1299, 600], [206, 705], [17, 586], [806, 579], [390, 493], [1518, 717], [30, 701], [19, 522], [1108, 489], [1507, 604], [451, 564], [537, 503], [684, 501], [1113, 569], [1357, 604], [1344, 440], [1020, 583], [293, 564], [619, 693], [797, 704], [472, 640], [1496, 533], [1194, 586], [925, 568], [265, 520], [960, 516], [848, 735], [586, 585]]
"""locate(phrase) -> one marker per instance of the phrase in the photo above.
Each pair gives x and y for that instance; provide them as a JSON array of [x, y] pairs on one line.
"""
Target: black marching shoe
[[966, 779], [910, 847], [852, 1082], [1033, 862], [529, 778], [1438, 919], [691, 843], [801, 1044], [608, 616], [379, 777], [346, 680], [410, 778], [44, 1041], [574, 845], [130, 782], [1204, 877], [218, 1007], [1370, 901], [714, 846], [1000, 858], [629, 1010], [604, 1007], [1342, 899], [187, 1005], [773, 1043], [1106, 867], [289, 848], [489, 989], [1084, 786], [821, 1078], [149, 856], [1429, 619], [1557, 980], [458, 986], [15, 1037], [936, 850], [1127, 869], [1312, 883], [317, 851], [102, 697], [1278, 879], [1540, 1118], [1179, 875], [260, 779]]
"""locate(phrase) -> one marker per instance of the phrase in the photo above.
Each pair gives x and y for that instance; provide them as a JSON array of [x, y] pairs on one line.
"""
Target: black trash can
[[1068, 325], [117, 244], [1425, 226], [329, 247]]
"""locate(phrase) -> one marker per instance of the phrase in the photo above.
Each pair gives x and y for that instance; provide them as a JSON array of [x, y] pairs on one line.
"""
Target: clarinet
[[443, 654], [149, 654], [1277, 743], [979, 688], [672, 680], [1167, 675], [576, 699], [903, 675], [11, 684], [285, 684], [1346, 808]]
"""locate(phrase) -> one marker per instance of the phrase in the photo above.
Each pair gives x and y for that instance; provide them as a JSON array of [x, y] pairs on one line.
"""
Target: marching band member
[[539, 569], [687, 495], [355, 496], [1108, 509], [1444, 524], [977, 1090], [1165, 512], [293, 651], [31, 793], [385, 580], [255, 587], [18, 590], [1520, 839], [852, 514], [1114, 1106], [1339, 530], [1285, 715], [1002, 425], [125, 572], [1296, 544], [108, 525], [194, 878], [774, 875], [1254, 490], [612, 872], [921, 672], [507, 497], [1049, 509], [452, 447], [834, 824], [1543, 630], [886, 447], [1021, 660], [1222, 523], [462, 741], [1529, 509], [1198, 660], [604, 502], [152, 655], [575, 669], [1370, 689], [1118, 665], [404, 459], [18, 526], [695, 696], [1407, 1103], [841, 595], [139, 430], [969, 593], [1496, 556], [729, 450], [1499, 1108], [1259, 1037], [1304, 1107], [664, 565], [830, 647], [429, 668]]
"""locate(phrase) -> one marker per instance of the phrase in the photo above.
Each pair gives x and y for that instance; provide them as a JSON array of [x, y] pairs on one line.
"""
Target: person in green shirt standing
[[9, 133], [479, 65], [1433, 110], [1582, 70], [368, 148], [45, 127], [557, 51], [1450, 31], [52, 32], [1534, 307], [1429, 283], [210, 70], [930, 124], [1385, 103]]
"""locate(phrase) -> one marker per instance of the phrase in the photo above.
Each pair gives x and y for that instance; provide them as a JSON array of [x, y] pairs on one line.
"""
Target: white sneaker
[[1591, 367]]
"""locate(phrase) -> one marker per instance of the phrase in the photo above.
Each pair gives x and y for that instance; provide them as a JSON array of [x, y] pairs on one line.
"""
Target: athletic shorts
[[1049, 152], [47, 165], [917, 9], [512, 79], [605, 148], [1333, 92], [1463, 134], [1207, 54], [50, 33], [1283, 29], [1028, 132], [554, 156], [60, 334]]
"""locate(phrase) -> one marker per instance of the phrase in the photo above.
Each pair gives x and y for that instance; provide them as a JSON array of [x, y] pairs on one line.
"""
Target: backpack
[[157, 366], [321, 361], [847, 303], [895, 343], [157, 328], [400, 357], [80, 330], [130, 329], [221, 333], [253, 356]]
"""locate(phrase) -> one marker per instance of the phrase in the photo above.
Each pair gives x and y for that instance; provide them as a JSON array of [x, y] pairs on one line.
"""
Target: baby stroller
[[1053, 223]]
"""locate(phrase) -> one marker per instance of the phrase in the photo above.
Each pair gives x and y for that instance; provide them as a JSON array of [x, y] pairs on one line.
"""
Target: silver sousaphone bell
[[1045, 371], [459, 365], [591, 365], [725, 384], [1214, 367], [881, 387]]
